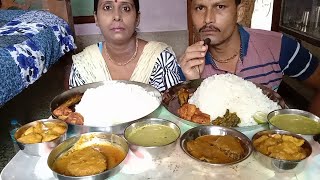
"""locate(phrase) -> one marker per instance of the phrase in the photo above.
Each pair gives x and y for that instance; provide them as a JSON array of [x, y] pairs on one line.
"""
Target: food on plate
[[152, 135], [227, 120], [64, 112], [109, 104], [88, 160], [218, 93], [216, 149], [279, 146], [42, 132], [191, 113], [183, 96], [296, 123]]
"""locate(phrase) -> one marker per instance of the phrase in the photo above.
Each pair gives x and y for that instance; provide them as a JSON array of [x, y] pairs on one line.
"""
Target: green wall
[[82, 7]]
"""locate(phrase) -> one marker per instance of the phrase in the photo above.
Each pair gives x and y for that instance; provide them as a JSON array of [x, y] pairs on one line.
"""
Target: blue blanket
[[30, 43]]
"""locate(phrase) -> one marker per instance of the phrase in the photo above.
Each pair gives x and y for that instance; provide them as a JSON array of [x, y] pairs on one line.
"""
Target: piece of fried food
[[183, 96], [86, 162], [186, 111], [29, 131], [31, 138], [62, 112], [200, 117], [75, 118], [39, 127], [48, 137]]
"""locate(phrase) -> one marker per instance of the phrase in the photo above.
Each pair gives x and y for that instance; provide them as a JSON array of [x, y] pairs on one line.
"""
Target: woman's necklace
[[224, 60], [127, 62]]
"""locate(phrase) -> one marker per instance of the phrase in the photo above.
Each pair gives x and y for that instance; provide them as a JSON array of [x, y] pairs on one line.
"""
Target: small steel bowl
[[307, 114], [153, 151], [91, 139], [279, 165], [40, 149], [193, 133]]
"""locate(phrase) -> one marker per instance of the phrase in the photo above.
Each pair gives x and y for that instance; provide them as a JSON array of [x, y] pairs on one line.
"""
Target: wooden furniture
[[288, 18], [249, 5]]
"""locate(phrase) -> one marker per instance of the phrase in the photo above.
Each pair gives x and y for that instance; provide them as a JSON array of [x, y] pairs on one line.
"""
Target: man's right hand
[[193, 60]]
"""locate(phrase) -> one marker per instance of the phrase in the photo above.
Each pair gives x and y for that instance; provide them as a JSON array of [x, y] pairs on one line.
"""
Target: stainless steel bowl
[[115, 129], [39, 149], [193, 133], [153, 151], [279, 165], [93, 138], [293, 111]]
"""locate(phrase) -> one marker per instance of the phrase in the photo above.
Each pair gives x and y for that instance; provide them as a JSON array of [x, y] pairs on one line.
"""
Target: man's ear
[[240, 12], [138, 19], [95, 18]]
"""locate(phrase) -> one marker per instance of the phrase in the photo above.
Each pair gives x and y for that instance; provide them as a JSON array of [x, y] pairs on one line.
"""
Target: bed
[[31, 41]]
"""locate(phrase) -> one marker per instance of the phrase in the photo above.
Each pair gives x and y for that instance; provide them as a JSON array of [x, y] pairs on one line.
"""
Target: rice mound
[[218, 93], [114, 103]]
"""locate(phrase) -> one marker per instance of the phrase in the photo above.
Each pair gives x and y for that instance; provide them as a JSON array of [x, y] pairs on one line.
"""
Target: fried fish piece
[[183, 96], [200, 117], [186, 111], [75, 118]]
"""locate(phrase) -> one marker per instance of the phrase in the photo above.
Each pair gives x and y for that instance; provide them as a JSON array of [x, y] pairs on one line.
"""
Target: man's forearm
[[315, 104]]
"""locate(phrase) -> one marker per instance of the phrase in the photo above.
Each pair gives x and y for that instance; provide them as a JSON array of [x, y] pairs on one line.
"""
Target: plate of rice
[[221, 96], [102, 106]]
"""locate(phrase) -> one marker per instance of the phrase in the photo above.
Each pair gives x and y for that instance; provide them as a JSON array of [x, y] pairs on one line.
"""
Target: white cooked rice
[[218, 93], [115, 103]]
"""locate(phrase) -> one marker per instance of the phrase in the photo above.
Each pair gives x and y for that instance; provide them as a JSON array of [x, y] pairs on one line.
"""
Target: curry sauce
[[89, 160]]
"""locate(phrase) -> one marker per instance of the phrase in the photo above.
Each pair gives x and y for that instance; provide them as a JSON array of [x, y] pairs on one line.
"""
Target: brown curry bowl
[[279, 165], [196, 132]]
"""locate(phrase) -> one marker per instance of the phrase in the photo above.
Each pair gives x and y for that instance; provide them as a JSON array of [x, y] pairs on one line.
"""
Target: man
[[259, 56]]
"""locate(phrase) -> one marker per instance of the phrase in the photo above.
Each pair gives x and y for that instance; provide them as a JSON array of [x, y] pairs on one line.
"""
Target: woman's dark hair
[[238, 2], [136, 5]]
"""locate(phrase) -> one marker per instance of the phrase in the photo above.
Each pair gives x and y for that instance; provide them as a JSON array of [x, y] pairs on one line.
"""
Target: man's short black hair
[[136, 5]]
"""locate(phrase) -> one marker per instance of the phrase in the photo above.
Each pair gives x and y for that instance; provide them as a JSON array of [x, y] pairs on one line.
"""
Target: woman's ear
[[240, 12], [96, 19], [138, 19]]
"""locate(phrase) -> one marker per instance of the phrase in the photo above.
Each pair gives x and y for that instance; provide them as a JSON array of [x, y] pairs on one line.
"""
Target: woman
[[122, 56]]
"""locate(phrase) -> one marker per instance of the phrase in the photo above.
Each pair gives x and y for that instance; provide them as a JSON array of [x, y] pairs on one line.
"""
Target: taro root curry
[[216, 149], [89, 160], [42, 132], [279, 146]]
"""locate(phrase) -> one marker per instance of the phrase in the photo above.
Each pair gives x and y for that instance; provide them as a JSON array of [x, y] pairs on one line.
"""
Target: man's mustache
[[209, 27]]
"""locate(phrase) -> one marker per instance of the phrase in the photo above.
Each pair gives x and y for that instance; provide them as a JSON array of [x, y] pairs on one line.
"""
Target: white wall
[[262, 14], [156, 16], [171, 15]]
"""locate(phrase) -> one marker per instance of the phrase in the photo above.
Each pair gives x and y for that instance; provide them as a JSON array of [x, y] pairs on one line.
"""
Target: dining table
[[174, 165]]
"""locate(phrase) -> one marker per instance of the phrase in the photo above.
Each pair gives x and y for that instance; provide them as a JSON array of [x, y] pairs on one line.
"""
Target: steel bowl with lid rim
[[196, 132], [308, 137], [154, 151], [42, 148], [93, 138], [278, 165], [116, 129]]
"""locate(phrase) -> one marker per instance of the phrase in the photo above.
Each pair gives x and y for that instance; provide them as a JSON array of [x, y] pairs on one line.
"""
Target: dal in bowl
[[295, 121], [153, 136]]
